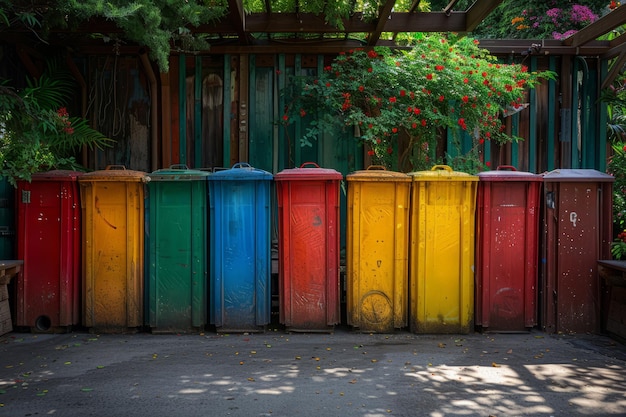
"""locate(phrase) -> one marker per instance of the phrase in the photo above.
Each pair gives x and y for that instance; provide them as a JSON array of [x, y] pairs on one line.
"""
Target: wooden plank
[[6, 324], [616, 320], [8, 269]]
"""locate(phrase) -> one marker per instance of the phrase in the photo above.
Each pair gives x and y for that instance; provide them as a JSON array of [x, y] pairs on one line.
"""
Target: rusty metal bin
[[308, 247], [507, 249], [441, 262], [578, 225], [113, 206], [48, 241], [377, 255]]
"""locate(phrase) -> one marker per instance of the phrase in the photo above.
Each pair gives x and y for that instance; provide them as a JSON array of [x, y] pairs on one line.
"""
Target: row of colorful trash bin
[[438, 251]]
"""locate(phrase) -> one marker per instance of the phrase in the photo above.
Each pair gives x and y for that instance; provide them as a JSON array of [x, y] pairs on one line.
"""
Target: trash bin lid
[[442, 173], [115, 173], [577, 175], [309, 171], [377, 173], [506, 173], [241, 171], [57, 175], [178, 173]]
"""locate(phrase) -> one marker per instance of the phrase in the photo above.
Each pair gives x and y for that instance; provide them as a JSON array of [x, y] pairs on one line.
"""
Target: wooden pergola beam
[[598, 28], [384, 14]]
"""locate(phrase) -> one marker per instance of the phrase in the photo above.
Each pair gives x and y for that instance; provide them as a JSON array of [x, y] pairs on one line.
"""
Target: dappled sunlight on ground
[[347, 374]]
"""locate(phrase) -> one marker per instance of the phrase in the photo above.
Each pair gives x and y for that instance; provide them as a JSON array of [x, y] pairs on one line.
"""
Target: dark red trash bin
[[578, 232], [308, 247], [48, 241], [507, 249]]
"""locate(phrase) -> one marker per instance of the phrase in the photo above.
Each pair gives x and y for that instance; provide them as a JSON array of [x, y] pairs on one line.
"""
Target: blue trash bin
[[239, 253]]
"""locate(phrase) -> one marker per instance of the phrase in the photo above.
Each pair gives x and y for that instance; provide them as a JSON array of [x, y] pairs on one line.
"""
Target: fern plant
[[36, 131]]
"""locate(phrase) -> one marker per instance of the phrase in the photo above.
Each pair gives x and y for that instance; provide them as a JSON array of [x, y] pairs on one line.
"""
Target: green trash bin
[[176, 247]]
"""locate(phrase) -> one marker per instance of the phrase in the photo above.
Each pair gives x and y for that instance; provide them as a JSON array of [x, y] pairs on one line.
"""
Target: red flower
[[423, 122], [465, 80], [488, 163], [371, 153], [441, 98], [439, 67], [361, 88], [414, 125], [372, 54], [394, 130], [285, 118], [390, 150], [402, 93], [416, 111], [370, 69], [429, 76], [327, 84], [508, 87], [392, 99], [465, 99], [302, 113]]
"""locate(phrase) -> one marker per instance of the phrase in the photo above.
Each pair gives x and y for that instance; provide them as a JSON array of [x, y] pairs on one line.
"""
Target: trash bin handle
[[114, 167], [179, 166], [309, 163], [440, 167], [377, 168], [506, 168], [242, 165]]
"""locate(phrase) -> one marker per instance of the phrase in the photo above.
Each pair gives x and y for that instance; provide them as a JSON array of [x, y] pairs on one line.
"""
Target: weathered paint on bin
[[48, 241], [240, 258], [308, 247], [507, 249], [177, 272], [578, 233], [441, 277], [112, 203], [377, 250]]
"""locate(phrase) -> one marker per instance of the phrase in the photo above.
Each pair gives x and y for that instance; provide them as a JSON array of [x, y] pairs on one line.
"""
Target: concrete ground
[[340, 374]]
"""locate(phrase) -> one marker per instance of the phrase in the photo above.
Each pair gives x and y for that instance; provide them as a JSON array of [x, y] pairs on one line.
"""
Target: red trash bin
[[308, 247], [507, 249], [578, 232], [48, 241]]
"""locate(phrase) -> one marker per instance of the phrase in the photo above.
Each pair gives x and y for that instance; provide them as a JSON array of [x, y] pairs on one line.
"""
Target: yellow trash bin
[[112, 203], [443, 204], [377, 249]]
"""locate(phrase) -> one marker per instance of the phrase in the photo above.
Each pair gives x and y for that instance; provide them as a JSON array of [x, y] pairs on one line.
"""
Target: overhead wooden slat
[[237, 18], [478, 11], [383, 16], [598, 28], [312, 23], [616, 68]]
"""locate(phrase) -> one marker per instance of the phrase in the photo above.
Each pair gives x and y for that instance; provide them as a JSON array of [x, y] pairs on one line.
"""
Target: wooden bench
[[8, 269], [614, 275]]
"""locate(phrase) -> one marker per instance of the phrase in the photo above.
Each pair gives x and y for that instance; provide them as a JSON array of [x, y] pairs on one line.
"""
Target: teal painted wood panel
[[261, 117]]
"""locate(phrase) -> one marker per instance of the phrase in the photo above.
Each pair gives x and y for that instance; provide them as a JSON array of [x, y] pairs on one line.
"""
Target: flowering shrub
[[443, 82], [542, 19]]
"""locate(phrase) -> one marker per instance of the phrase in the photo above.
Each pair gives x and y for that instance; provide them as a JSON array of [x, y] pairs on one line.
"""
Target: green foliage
[[36, 131], [615, 98], [156, 24], [539, 19], [444, 82]]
